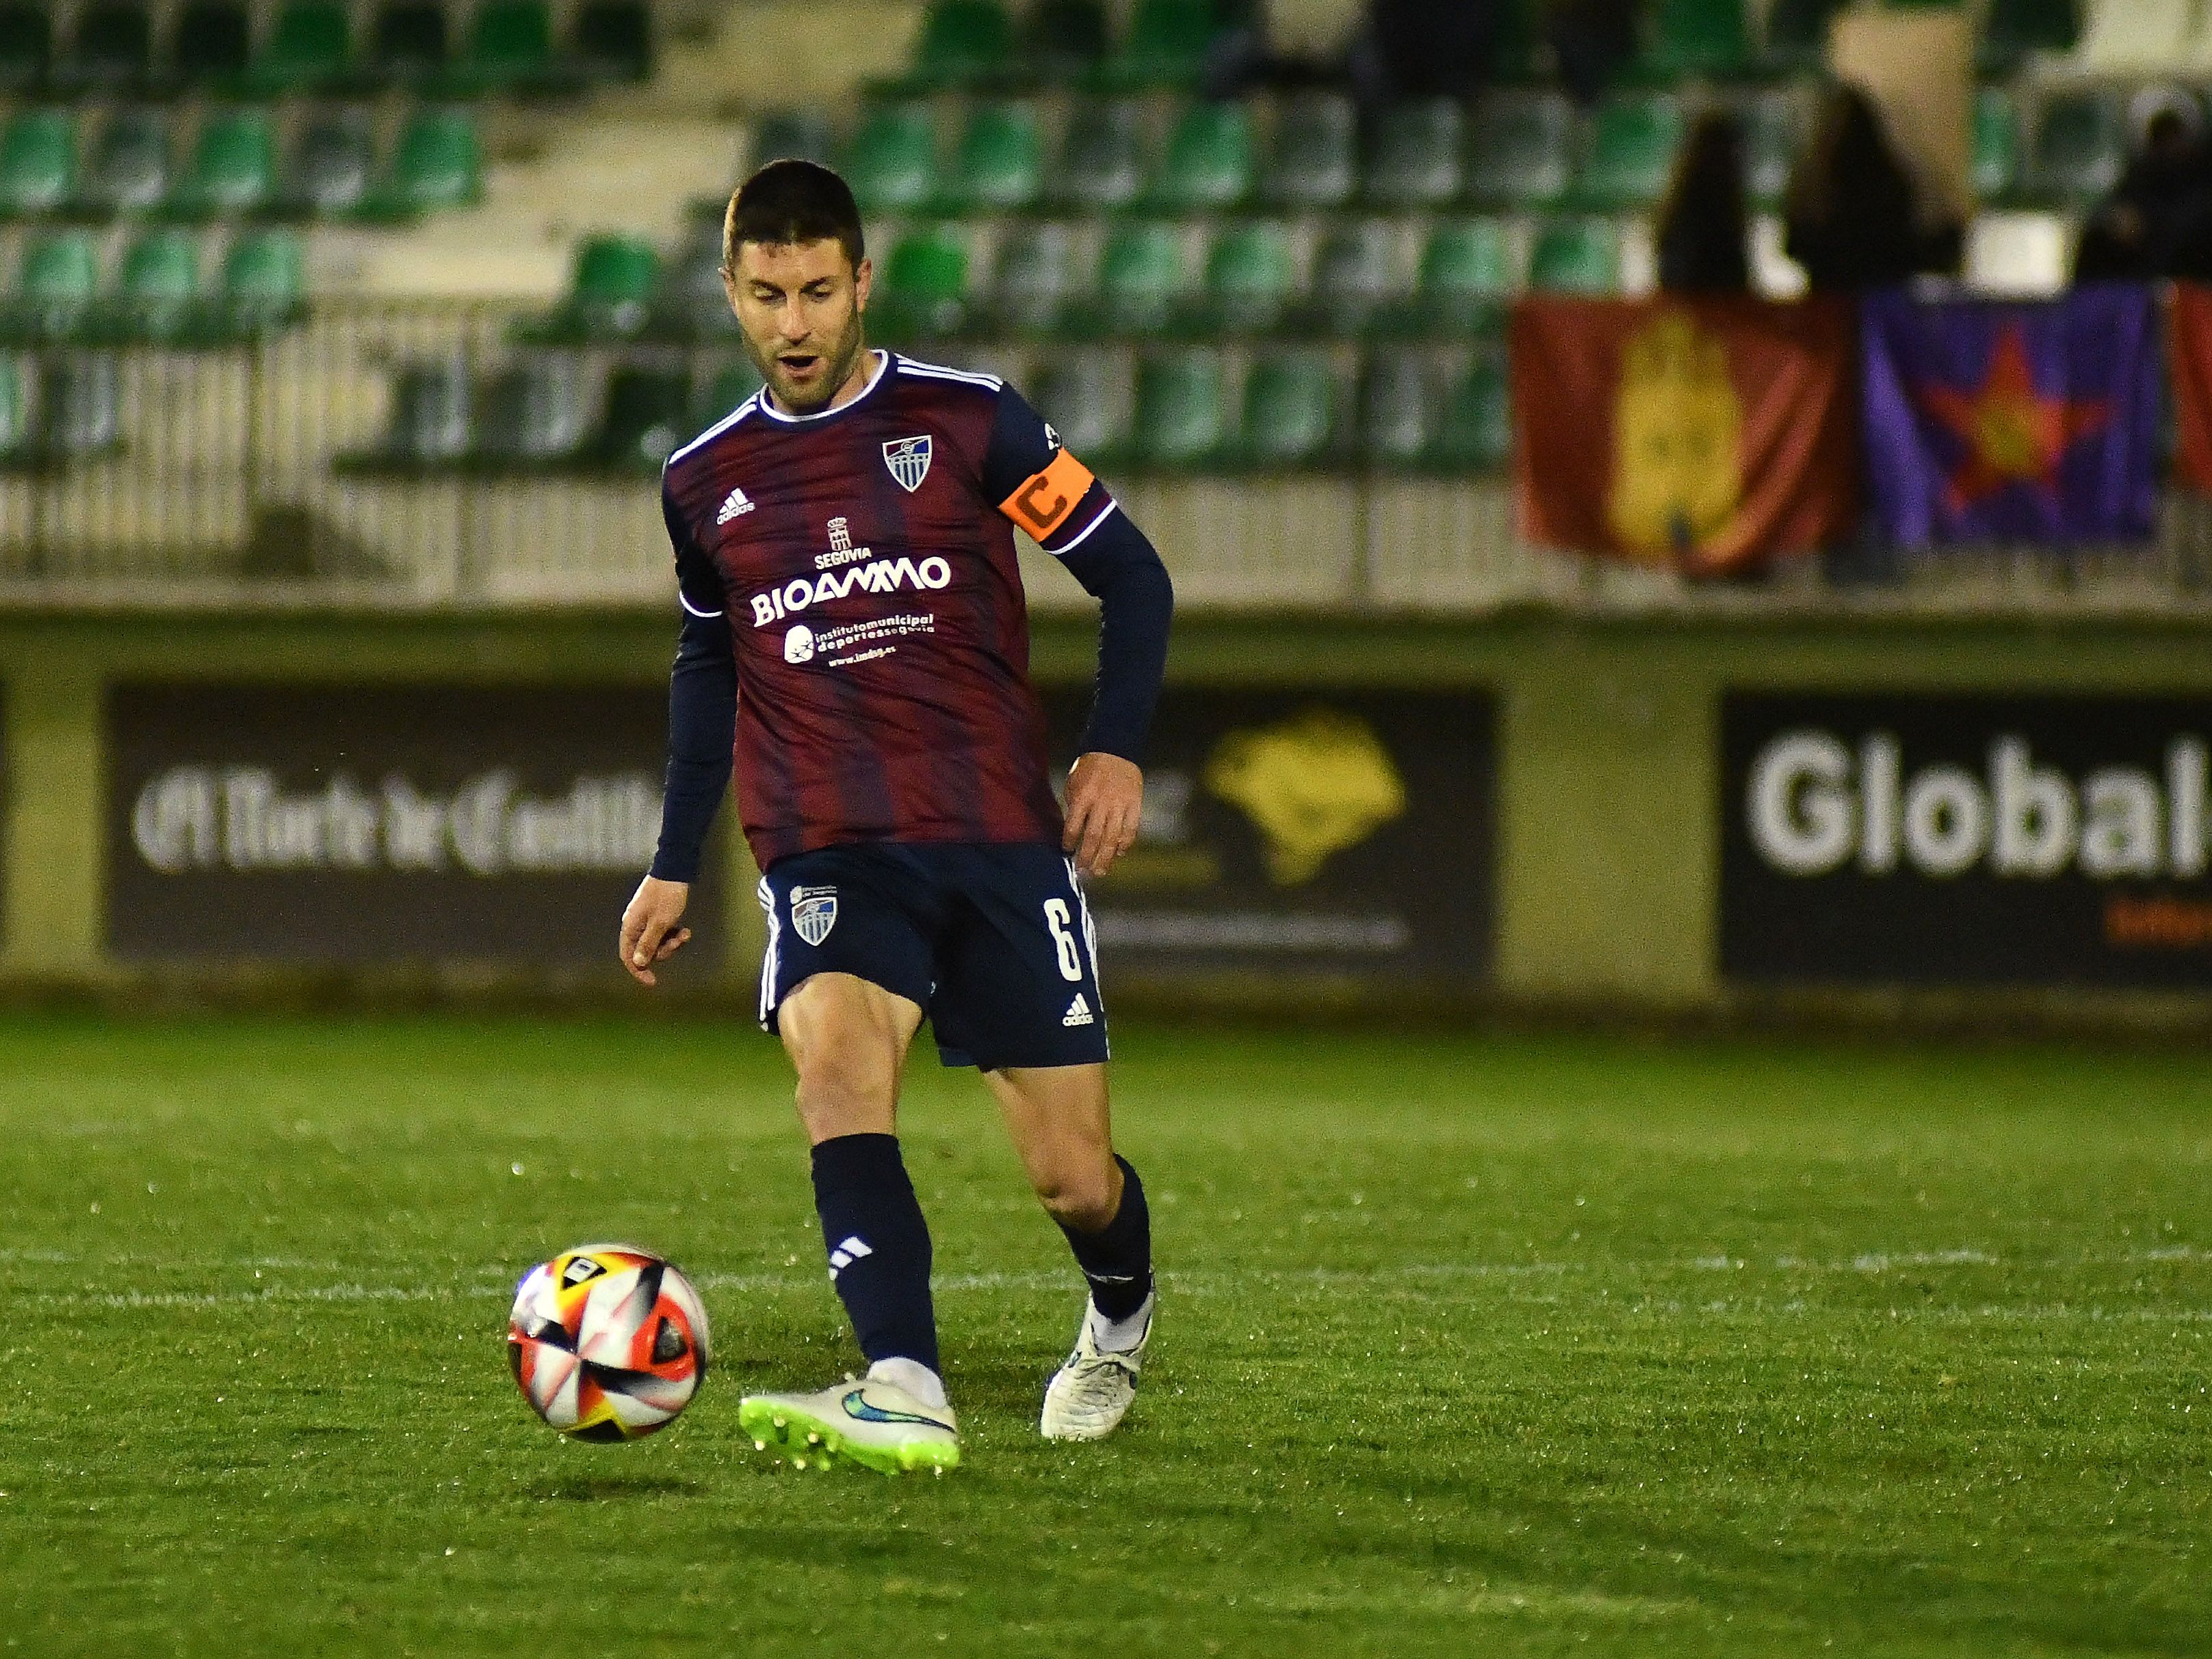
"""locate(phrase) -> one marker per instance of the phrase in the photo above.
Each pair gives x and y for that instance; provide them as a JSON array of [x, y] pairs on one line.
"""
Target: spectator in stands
[[1591, 39], [1853, 213], [1703, 222], [1422, 49], [2155, 223]]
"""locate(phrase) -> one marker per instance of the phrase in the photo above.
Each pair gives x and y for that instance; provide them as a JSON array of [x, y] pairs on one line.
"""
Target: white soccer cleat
[[1089, 1396], [864, 1420]]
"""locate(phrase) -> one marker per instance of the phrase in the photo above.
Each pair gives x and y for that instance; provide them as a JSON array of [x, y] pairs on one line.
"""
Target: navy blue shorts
[[991, 940]]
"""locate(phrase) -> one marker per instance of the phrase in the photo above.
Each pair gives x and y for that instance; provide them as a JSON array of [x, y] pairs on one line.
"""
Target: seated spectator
[[2150, 225], [1703, 224], [1422, 49], [1853, 212]]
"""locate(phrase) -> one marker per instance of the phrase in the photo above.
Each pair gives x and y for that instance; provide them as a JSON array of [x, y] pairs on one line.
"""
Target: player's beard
[[838, 362]]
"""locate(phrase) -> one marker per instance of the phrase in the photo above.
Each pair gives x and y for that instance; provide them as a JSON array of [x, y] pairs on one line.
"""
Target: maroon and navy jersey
[[864, 559]]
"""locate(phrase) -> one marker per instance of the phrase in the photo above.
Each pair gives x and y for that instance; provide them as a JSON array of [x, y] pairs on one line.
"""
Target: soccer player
[[854, 626]]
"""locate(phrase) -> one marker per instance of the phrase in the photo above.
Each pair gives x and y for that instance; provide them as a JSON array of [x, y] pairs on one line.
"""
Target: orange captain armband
[[1044, 499]]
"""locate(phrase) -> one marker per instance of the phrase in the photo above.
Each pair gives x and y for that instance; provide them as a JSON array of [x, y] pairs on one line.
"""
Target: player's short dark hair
[[792, 201]]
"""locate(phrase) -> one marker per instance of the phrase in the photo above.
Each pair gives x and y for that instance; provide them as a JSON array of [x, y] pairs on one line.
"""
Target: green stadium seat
[[1995, 165], [892, 163], [113, 47], [158, 286], [804, 135], [2013, 28], [1417, 156], [1702, 38], [1354, 284], [38, 163], [1797, 32], [80, 405], [436, 164], [510, 45], [1398, 414], [963, 44], [428, 426], [19, 431], [923, 292], [617, 280], [1033, 280], [409, 41], [999, 165], [532, 414], [1290, 415], [1251, 278], [647, 416], [310, 47], [1144, 280], [26, 47], [1209, 162], [329, 173], [128, 169], [213, 41], [1314, 161], [233, 168], [613, 40], [1182, 422], [57, 286], [2080, 147], [1086, 397], [722, 391], [1520, 150], [263, 283], [1101, 167], [1476, 432], [1577, 256], [1063, 41], [1470, 271], [1166, 44], [1632, 152]]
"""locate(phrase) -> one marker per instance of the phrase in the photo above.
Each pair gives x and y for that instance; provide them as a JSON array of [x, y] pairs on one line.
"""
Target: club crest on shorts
[[813, 912], [908, 460]]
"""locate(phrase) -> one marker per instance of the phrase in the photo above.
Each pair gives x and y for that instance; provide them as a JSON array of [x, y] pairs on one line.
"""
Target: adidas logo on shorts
[[732, 504], [1079, 1013]]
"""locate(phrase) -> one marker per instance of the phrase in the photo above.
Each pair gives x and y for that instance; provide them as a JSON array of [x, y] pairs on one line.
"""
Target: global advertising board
[[353, 824], [1965, 840], [1319, 831]]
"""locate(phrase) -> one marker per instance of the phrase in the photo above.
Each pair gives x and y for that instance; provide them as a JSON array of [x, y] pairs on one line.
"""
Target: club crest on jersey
[[908, 460], [813, 912]]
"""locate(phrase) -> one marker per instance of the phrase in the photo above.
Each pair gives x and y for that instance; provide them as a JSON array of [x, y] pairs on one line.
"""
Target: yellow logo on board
[[1313, 785]]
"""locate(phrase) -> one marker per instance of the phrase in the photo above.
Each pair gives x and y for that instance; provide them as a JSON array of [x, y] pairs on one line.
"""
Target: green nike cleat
[[864, 1420]]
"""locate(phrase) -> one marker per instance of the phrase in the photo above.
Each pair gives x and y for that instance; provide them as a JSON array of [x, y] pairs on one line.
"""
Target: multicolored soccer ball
[[607, 1342]]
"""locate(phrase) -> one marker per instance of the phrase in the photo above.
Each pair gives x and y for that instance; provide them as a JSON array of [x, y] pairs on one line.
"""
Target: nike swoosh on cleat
[[857, 1406]]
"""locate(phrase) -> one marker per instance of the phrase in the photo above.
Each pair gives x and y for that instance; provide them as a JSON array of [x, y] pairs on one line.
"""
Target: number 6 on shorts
[[1057, 919]]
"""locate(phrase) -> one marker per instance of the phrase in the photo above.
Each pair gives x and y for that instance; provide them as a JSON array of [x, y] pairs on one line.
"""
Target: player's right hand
[[649, 933]]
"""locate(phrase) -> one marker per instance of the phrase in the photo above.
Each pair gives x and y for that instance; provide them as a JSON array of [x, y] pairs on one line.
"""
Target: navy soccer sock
[[1117, 1258], [879, 1246]]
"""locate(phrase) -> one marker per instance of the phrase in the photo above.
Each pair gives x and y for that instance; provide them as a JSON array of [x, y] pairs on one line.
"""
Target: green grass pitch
[[1468, 1346]]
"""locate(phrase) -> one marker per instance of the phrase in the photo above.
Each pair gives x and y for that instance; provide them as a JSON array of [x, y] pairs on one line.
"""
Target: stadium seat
[[510, 46], [1165, 47], [1033, 282], [1144, 282], [38, 163], [1100, 160], [1086, 396], [157, 287], [329, 172], [19, 430], [1774, 132], [1632, 152], [1476, 432], [613, 40], [2079, 147], [26, 47], [1577, 256], [923, 293], [2013, 28], [617, 280], [213, 41], [1251, 278], [113, 49], [999, 165], [1397, 411], [80, 405], [1996, 164], [1520, 150], [310, 47], [1063, 41], [1290, 413], [1314, 162], [1208, 164], [531, 414], [409, 43], [128, 169], [1696, 37], [426, 422], [436, 164], [233, 165], [1353, 282], [1469, 273], [648, 414], [804, 135], [1416, 161], [963, 44], [263, 283], [56, 287], [1180, 422], [1797, 32], [891, 161]]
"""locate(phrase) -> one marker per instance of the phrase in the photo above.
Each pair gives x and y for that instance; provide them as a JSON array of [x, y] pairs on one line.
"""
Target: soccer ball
[[607, 1342]]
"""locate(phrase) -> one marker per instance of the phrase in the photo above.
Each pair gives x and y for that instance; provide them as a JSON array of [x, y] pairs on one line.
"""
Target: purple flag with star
[[1989, 422]]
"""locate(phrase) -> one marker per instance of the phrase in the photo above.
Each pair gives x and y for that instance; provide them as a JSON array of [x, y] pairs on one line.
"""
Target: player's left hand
[[1105, 799]]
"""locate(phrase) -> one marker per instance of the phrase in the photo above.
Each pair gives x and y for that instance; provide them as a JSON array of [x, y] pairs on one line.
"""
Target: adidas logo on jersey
[[1079, 1013], [733, 504]]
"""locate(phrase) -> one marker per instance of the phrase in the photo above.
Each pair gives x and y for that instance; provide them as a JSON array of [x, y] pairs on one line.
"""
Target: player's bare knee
[[837, 1097], [1082, 1199]]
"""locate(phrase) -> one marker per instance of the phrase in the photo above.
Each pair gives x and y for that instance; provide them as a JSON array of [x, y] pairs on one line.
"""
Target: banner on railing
[[1953, 840], [1700, 435], [1324, 831], [351, 824], [2189, 364], [2013, 423]]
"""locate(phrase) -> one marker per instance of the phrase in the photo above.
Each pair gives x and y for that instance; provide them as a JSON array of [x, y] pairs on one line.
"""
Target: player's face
[[799, 305]]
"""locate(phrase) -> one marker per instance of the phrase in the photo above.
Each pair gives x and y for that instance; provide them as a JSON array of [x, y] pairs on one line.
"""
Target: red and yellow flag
[[2191, 366]]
